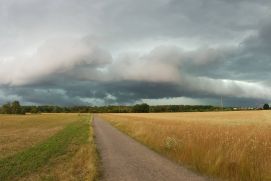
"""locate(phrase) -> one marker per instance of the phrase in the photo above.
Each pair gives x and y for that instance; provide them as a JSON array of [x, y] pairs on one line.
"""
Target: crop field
[[228, 145], [47, 147]]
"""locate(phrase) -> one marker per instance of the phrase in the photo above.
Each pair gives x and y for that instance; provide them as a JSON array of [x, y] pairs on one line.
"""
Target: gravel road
[[124, 159]]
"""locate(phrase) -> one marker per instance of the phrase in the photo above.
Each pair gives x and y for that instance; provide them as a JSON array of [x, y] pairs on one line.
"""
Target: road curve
[[124, 159]]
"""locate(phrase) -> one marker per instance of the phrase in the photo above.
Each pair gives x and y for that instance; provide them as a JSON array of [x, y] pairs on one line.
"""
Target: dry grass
[[18, 132], [229, 145], [66, 153], [79, 163]]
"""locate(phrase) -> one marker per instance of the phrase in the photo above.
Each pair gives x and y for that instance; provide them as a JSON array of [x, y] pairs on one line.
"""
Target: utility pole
[[221, 103]]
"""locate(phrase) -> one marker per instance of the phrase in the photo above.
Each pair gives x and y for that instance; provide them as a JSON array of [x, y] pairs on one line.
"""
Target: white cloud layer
[[114, 51]]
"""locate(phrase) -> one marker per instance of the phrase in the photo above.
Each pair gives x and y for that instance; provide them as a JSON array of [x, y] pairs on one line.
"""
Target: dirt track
[[124, 159]]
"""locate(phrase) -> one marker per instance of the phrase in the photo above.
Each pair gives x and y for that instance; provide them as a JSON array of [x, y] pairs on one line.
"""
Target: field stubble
[[66, 153], [18, 132], [229, 145]]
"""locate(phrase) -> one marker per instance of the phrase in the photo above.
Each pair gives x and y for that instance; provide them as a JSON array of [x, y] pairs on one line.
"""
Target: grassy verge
[[29, 130], [239, 152], [57, 157]]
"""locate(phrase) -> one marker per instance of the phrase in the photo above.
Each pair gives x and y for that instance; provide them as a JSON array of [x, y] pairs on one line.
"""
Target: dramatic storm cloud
[[73, 52]]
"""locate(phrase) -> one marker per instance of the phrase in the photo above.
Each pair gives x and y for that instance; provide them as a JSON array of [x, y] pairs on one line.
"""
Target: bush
[[266, 106], [141, 108]]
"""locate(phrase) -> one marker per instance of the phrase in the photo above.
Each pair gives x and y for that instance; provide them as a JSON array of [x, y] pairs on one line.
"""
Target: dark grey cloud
[[77, 52]]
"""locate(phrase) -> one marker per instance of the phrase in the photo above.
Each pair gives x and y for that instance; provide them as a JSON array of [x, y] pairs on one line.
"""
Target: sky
[[93, 52]]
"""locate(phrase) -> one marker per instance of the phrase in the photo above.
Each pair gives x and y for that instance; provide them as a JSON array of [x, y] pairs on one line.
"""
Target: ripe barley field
[[47, 147], [227, 145]]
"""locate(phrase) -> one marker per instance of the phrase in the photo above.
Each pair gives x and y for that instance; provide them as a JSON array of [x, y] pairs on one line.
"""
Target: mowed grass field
[[47, 147], [227, 145]]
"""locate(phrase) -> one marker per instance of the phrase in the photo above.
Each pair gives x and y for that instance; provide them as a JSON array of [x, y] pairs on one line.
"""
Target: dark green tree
[[266, 106], [16, 107], [6, 108], [141, 108], [34, 109]]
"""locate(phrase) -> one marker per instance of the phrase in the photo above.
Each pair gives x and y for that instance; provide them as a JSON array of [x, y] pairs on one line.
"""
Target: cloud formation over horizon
[[124, 52]]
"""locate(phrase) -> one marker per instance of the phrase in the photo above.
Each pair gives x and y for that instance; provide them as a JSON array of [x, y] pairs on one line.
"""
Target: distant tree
[[6, 108], [266, 106], [34, 109], [141, 108], [16, 108], [173, 108]]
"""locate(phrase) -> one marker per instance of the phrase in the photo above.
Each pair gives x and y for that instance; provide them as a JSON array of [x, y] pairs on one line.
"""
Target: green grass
[[31, 159]]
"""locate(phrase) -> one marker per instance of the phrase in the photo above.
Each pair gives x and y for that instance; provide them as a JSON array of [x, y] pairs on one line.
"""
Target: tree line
[[16, 108], [12, 108]]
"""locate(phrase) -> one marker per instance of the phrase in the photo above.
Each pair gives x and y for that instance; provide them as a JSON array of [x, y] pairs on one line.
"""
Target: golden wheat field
[[47, 147], [228, 145]]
